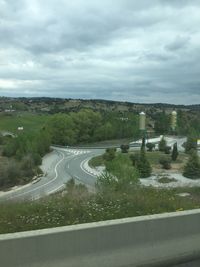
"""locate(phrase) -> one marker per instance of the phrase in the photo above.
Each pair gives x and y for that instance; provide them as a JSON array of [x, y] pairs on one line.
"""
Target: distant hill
[[54, 105]]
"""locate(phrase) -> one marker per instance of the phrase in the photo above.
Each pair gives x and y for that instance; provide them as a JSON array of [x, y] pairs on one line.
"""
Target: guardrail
[[85, 147], [156, 240]]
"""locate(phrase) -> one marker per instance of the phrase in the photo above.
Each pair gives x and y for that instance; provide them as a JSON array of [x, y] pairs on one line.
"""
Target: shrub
[[124, 148], [165, 162], [150, 146], [109, 154]]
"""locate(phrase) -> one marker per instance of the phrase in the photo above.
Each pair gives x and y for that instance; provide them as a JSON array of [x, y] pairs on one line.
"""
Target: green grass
[[96, 161], [30, 122], [77, 207]]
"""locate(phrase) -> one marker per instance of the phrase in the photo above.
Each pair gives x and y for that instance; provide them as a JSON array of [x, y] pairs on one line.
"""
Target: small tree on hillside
[[175, 152], [162, 145], [192, 168]]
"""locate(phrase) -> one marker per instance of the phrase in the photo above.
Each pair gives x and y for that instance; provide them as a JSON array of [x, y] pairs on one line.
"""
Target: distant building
[[174, 120], [142, 121], [21, 128]]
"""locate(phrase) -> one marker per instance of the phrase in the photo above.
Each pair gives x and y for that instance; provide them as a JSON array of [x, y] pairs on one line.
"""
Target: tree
[[162, 145], [143, 143], [162, 123], [192, 167], [191, 144], [175, 153], [150, 146], [143, 165]]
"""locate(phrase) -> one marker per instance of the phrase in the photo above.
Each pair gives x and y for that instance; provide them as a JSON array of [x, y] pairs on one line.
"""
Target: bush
[[124, 148], [165, 162], [150, 146], [109, 154]]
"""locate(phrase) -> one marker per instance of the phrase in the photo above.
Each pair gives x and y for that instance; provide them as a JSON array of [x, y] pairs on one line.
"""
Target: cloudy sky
[[129, 50]]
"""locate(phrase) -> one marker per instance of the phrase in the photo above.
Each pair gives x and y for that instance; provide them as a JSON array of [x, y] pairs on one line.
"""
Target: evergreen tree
[[191, 144], [162, 123], [143, 143], [175, 152], [162, 145], [192, 168], [143, 165]]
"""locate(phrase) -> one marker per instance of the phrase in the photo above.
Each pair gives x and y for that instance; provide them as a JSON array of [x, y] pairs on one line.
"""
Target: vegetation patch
[[30, 122], [96, 162], [80, 206], [166, 179]]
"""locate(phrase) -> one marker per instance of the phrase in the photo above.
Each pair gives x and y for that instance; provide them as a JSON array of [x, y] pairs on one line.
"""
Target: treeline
[[188, 123], [88, 126]]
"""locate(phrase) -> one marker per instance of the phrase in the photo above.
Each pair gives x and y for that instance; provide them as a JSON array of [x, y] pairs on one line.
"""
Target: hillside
[[54, 105]]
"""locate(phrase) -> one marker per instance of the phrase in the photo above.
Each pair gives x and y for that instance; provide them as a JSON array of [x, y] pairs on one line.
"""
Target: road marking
[[43, 185], [83, 169]]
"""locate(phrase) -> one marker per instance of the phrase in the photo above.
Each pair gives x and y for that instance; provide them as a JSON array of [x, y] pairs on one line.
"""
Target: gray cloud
[[140, 51]]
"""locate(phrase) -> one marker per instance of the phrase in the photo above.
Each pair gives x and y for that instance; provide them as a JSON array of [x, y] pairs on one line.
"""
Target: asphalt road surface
[[60, 166]]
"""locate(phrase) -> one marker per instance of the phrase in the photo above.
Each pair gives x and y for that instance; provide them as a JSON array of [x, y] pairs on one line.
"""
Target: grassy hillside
[[30, 122]]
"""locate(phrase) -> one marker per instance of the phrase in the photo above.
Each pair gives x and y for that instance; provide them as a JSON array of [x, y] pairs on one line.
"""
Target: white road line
[[56, 172], [83, 169]]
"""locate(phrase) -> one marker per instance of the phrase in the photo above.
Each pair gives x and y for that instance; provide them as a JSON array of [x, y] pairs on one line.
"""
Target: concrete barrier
[[156, 240]]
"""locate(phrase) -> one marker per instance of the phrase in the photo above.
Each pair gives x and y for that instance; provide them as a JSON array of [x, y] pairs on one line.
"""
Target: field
[[30, 122]]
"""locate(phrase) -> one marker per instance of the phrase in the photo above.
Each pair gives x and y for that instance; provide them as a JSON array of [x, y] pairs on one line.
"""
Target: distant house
[[20, 128]]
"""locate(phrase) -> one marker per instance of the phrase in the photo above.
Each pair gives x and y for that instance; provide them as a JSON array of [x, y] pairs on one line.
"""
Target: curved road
[[60, 166]]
